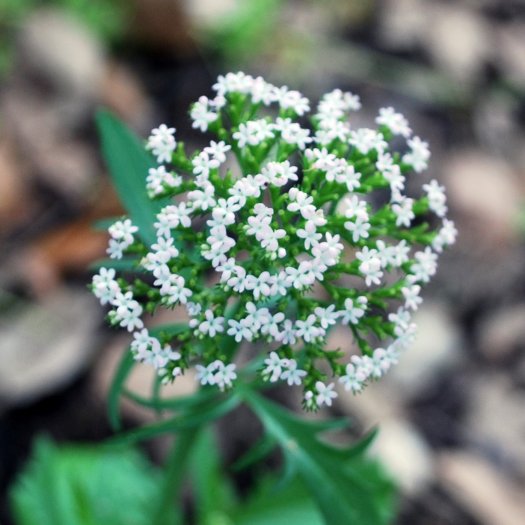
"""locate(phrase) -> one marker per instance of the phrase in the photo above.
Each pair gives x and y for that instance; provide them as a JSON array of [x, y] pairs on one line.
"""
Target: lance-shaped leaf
[[349, 488], [128, 164]]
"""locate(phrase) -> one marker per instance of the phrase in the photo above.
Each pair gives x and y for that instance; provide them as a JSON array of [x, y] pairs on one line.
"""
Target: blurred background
[[452, 414]]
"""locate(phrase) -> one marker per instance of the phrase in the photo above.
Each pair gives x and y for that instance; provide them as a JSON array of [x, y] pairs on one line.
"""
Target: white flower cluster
[[297, 239]]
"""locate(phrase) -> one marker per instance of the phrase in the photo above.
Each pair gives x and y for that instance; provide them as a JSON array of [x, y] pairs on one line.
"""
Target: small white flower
[[270, 325], [446, 236], [292, 100], [418, 155], [325, 394], [365, 139], [293, 375], [158, 178], [358, 228], [206, 374], [327, 316], [309, 234], [202, 114], [288, 333], [162, 143], [211, 325], [307, 328], [370, 265], [204, 198], [292, 133], [240, 330], [253, 132], [396, 122], [354, 310], [129, 316], [354, 207], [279, 173], [353, 379], [437, 200], [411, 295], [224, 374], [425, 266], [274, 367], [403, 210], [218, 151], [105, 287]]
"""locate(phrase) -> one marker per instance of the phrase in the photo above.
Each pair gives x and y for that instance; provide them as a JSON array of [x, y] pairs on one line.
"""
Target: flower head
[[279, 235]]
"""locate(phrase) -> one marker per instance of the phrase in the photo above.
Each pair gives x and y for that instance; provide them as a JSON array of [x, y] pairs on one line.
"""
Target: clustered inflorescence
[[275, 233]]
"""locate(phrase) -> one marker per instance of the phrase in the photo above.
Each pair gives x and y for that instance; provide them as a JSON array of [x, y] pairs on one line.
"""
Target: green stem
[[174, 474]]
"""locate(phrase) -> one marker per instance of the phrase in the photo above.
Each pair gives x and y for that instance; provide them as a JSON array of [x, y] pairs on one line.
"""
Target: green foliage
[[321, 483], [288, 506], [245, 28], [216, 503], [369, 500], [349, 488], [128, 163], [82, 485], [214, 496], [106, 18]]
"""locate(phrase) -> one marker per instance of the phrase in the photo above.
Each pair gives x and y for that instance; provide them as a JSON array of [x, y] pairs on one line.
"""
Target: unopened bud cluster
[[274, 234]]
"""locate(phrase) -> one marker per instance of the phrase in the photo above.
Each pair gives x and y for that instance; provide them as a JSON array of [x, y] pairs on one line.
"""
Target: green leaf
[[259, 451], [126, 364], [213, 492], [349, 488], [173, 403], [197, 416], [128, 164], [289, 506], [126, 264], [84, 485]]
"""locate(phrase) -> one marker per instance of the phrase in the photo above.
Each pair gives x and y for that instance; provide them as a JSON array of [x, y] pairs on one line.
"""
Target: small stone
[[436, 349], [510, 52], [459, 39], [123, 93], [502, 333], [62, 51], [44, 346], [207, 14], [402, 23], [405, 455], [486, 193], [472, 481], [63, 163], [495, 420]]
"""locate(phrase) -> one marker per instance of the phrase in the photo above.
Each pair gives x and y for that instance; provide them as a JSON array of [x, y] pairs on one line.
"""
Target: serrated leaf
[[85, 485], [128, 164], [349, 488]]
